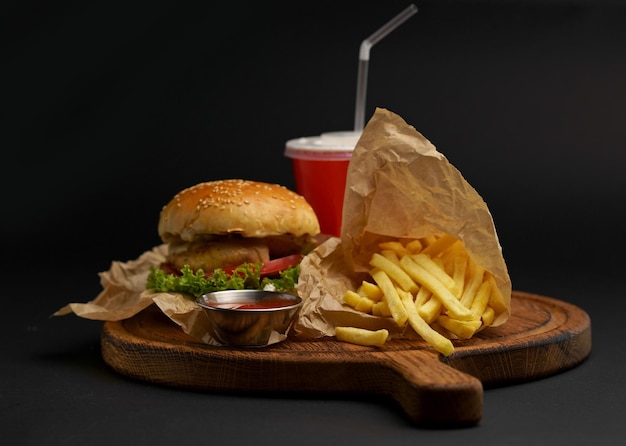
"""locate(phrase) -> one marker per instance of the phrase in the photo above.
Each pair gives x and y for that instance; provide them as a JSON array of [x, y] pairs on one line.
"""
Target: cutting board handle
[[429, 391]]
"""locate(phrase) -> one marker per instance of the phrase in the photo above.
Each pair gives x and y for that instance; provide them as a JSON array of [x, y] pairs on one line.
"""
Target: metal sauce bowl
[[247, 318]]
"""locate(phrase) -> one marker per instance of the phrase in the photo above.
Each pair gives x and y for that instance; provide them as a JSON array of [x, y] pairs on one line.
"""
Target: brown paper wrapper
[[398, 186], [124, 295], [123, 287]]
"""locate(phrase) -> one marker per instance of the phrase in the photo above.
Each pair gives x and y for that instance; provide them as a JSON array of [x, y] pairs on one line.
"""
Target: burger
[[234, 234]]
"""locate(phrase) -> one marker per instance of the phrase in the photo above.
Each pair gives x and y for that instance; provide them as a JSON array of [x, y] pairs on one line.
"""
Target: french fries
[[358, 302], [361, 336], [439, 342], [432, 285], [394, 271], [398, 312]]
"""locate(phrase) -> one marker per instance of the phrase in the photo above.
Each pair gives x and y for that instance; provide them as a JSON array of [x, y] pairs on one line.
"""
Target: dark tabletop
[[111, 110]]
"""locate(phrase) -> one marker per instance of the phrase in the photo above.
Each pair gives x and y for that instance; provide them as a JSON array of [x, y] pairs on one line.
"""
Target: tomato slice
[[169, 269], [269, 268], [277, 265]]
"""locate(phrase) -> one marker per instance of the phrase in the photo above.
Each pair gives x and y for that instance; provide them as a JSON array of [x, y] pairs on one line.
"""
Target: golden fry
[[476, 273], [395, 246], [435, 339], [427, 241], [422, 296], [414, 247], [361, 336], [454, 256], [496, 300], [479, 304], [351, 298], [365, 305], [426, 279], [396, 308], [381, 309], [358, 302], [435, 269], [463, 329], [488, 316], [430, 310], [390, 255], [368, 289], [458, 274], [440, 245], [394, 271]]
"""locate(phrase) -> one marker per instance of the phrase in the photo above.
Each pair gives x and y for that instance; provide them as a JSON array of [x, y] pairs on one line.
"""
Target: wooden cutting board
[[544, 336]]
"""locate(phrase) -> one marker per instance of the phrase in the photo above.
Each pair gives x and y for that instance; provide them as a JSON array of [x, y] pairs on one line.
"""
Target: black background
[[110, 109]]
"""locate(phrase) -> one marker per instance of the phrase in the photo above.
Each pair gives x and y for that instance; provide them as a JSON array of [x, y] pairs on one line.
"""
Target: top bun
[[244, 207]]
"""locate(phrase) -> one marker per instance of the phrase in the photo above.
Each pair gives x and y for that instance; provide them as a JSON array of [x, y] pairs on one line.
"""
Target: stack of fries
[[430, 283]]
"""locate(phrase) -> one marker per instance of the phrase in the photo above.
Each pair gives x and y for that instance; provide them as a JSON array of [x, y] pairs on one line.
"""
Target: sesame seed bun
[[243, 207]]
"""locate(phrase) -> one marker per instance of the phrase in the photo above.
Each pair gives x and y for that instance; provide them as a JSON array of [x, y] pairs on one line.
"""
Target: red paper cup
[[320, 166]]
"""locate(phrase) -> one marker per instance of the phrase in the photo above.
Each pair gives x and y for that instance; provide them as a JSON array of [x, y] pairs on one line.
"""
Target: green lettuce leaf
[[246, 276]]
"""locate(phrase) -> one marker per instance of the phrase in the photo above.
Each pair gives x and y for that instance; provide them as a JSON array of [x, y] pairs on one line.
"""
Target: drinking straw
[[364, 57]]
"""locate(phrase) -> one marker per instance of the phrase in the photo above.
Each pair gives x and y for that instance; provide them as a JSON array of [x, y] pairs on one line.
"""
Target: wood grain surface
[[543, 337]]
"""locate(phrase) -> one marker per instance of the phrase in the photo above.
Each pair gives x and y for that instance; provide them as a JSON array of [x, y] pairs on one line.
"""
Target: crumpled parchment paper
[[398, 185]]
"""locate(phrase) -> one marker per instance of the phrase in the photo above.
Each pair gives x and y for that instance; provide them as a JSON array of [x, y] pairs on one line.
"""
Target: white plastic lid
[[330, 145]]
